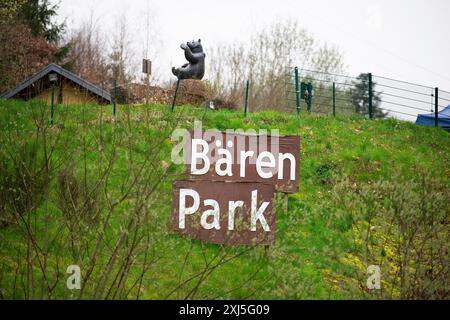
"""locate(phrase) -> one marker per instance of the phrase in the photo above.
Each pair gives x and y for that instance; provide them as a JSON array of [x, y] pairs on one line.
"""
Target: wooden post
[[148, 89], [285, 208], [147, 70], [286, 203]]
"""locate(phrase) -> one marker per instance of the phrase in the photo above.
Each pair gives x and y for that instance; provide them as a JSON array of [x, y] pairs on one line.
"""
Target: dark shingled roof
[[64, 73]]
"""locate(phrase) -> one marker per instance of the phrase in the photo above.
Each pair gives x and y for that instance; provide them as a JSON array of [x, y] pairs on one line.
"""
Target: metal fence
[[368, 95]]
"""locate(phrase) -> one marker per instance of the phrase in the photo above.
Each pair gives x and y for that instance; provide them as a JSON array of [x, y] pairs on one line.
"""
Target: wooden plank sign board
[[232, 179], [245, 158], [224, 213]]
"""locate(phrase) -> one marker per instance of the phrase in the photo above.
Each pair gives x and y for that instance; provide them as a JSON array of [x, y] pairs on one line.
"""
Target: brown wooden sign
[[224, 213], [237, 157], [146, 66]]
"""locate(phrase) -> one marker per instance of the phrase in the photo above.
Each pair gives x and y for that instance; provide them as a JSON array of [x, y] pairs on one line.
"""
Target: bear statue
[[195, 69]]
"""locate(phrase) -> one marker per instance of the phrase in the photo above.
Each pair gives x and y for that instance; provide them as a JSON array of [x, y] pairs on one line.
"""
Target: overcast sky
[[408, 40]]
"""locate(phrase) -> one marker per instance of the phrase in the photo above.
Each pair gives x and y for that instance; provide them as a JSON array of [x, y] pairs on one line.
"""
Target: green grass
[[310, 244]]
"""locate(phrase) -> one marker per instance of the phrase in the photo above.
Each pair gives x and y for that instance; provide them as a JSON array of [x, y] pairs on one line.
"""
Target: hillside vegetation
[[95, 191]]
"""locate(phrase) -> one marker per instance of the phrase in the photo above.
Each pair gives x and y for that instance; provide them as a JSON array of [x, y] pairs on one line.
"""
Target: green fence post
[[370, 97], [310, 96], [115, 96], [334, 99], [53, 103], [175, 95], [297, 91], [436, 107], [247, 88]]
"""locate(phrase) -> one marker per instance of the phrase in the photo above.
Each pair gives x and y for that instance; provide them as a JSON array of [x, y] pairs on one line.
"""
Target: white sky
[[407, 40]]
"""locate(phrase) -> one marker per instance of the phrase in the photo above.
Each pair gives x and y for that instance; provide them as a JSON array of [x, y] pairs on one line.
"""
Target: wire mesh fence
[[322, 92], [367, 95], [402, 99]]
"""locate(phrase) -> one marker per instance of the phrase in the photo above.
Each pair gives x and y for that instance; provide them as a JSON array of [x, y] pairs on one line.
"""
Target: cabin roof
[[103, 94]]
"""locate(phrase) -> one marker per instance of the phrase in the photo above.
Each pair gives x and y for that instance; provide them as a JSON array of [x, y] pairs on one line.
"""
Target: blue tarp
[[428, 119]]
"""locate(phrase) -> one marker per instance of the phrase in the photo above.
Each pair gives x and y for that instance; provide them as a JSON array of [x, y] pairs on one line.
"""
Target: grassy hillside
[[95, 191]]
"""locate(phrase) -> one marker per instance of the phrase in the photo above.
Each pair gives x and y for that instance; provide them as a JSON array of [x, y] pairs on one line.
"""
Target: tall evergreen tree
[[39, 16], [360, 97]]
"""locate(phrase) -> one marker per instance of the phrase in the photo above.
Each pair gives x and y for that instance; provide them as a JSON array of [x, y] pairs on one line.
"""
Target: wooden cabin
[[68, 88]]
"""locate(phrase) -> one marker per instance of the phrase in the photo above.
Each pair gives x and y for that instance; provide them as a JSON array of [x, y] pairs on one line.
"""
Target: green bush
[[401, 225]]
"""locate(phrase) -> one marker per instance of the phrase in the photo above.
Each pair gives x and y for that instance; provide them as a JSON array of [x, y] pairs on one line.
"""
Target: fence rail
[[369, 95]]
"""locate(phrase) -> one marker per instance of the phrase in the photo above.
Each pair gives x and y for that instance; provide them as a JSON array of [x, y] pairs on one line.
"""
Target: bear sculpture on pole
[[195, 69]]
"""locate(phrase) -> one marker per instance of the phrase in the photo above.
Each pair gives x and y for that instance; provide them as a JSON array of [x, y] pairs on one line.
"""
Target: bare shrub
[[102, 203], [21, 53], [265, 61], [21, 187], [78, 200], [86, 56]]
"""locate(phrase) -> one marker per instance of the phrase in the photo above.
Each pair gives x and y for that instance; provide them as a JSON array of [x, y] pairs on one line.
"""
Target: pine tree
[[39, 16], [360, 97]]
